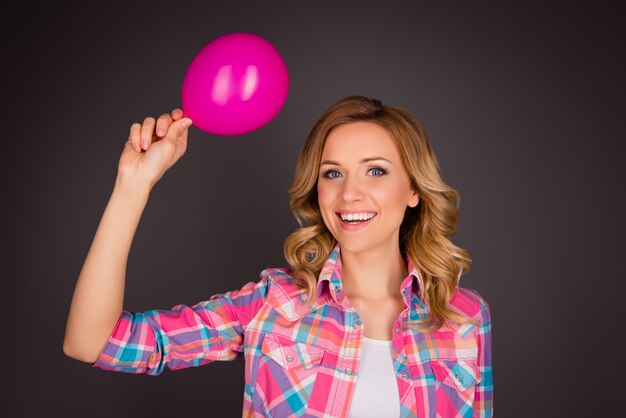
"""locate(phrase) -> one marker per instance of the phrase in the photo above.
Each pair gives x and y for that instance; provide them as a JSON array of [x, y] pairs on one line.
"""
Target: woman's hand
[[153, 147]]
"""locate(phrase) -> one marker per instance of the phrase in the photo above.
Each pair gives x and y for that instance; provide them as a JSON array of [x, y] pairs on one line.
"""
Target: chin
[[355, 245], [363, 244]]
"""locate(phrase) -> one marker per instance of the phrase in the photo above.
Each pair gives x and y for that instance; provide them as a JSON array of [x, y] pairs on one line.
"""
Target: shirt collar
[[331, 273]]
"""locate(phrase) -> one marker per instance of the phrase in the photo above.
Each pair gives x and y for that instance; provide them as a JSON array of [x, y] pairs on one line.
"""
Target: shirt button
[[458, 377], [398, 329], [348, 370], [337, 289], [289, 357], [356, 324], [405, 377]]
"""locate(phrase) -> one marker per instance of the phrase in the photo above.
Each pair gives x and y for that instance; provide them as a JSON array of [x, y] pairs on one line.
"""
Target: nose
[[352, 191]]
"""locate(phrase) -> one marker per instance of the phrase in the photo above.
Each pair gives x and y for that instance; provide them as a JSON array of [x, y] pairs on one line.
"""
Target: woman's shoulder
[[468, 301], [284, 294], [282, 278], [278, 275]]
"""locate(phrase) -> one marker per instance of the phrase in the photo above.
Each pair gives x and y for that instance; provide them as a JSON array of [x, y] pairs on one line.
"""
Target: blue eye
[[377, 171], [330, 174]]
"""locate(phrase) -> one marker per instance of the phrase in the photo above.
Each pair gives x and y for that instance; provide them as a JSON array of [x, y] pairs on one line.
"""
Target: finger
[[147, 130], [177, 129], [177, 114], [163, 123], [180, 142], [134, 137]]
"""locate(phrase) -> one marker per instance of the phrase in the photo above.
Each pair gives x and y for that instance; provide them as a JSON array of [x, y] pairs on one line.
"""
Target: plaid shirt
[[304, 361]]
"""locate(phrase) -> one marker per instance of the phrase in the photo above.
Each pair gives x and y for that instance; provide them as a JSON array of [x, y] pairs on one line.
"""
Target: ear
[[414, 200]]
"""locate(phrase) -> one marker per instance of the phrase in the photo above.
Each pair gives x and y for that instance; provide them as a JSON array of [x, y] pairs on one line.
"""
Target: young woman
[[368, 321]]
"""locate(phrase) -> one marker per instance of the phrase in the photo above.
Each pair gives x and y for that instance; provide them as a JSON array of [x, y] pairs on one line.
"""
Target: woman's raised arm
[[152, 148]]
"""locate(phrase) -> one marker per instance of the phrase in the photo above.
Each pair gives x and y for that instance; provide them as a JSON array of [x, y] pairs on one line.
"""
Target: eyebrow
[[363, 161]]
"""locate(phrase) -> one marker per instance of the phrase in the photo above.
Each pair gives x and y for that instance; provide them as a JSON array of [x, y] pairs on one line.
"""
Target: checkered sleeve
[[184, 336], [483, 395]]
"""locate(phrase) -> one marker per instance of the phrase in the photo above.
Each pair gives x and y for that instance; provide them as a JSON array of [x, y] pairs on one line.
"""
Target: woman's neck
[[375, 274]]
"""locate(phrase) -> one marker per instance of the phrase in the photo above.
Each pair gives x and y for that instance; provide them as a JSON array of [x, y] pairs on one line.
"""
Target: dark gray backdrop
[[523, 104]]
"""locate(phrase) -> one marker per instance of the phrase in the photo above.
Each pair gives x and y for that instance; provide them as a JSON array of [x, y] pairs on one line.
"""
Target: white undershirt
[[376, 392]]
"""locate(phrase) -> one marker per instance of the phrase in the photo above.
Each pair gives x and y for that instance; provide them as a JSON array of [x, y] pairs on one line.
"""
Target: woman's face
[[363, 188]]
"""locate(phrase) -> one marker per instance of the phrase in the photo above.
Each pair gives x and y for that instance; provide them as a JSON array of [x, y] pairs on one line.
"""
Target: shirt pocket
[[285, 378], [459, 374], [455, 385], [292, 355]]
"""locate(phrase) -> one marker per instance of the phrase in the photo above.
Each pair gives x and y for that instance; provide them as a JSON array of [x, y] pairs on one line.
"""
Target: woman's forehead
[[356, 141]]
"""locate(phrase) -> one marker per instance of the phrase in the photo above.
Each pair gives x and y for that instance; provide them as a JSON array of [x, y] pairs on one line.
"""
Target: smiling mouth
[[356, 218]]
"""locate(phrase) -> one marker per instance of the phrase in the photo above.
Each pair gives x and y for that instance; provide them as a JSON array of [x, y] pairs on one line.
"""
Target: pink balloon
[[237, 83]]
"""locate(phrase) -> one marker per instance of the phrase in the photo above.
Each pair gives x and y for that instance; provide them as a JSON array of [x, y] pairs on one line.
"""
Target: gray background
[[523, 103]]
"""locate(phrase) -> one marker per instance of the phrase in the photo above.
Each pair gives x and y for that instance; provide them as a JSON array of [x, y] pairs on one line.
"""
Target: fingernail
[[144, 144], [160, 132], [187, 123]]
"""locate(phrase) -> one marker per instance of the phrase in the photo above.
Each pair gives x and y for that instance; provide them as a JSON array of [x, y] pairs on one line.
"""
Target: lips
[[355, 219]]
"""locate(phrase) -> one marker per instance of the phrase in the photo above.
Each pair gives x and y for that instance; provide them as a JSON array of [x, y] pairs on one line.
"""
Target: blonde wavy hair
[[426, 229]]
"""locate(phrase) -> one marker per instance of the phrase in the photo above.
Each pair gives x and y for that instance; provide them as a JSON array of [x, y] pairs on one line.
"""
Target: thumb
[[177, 128]]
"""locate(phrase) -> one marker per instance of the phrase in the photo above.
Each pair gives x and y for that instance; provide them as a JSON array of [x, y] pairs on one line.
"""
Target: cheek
[[324, 201], [324, 197], [391, 199]]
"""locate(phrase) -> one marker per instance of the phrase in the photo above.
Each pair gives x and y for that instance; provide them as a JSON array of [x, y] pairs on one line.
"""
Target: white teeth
[[356, 216]]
